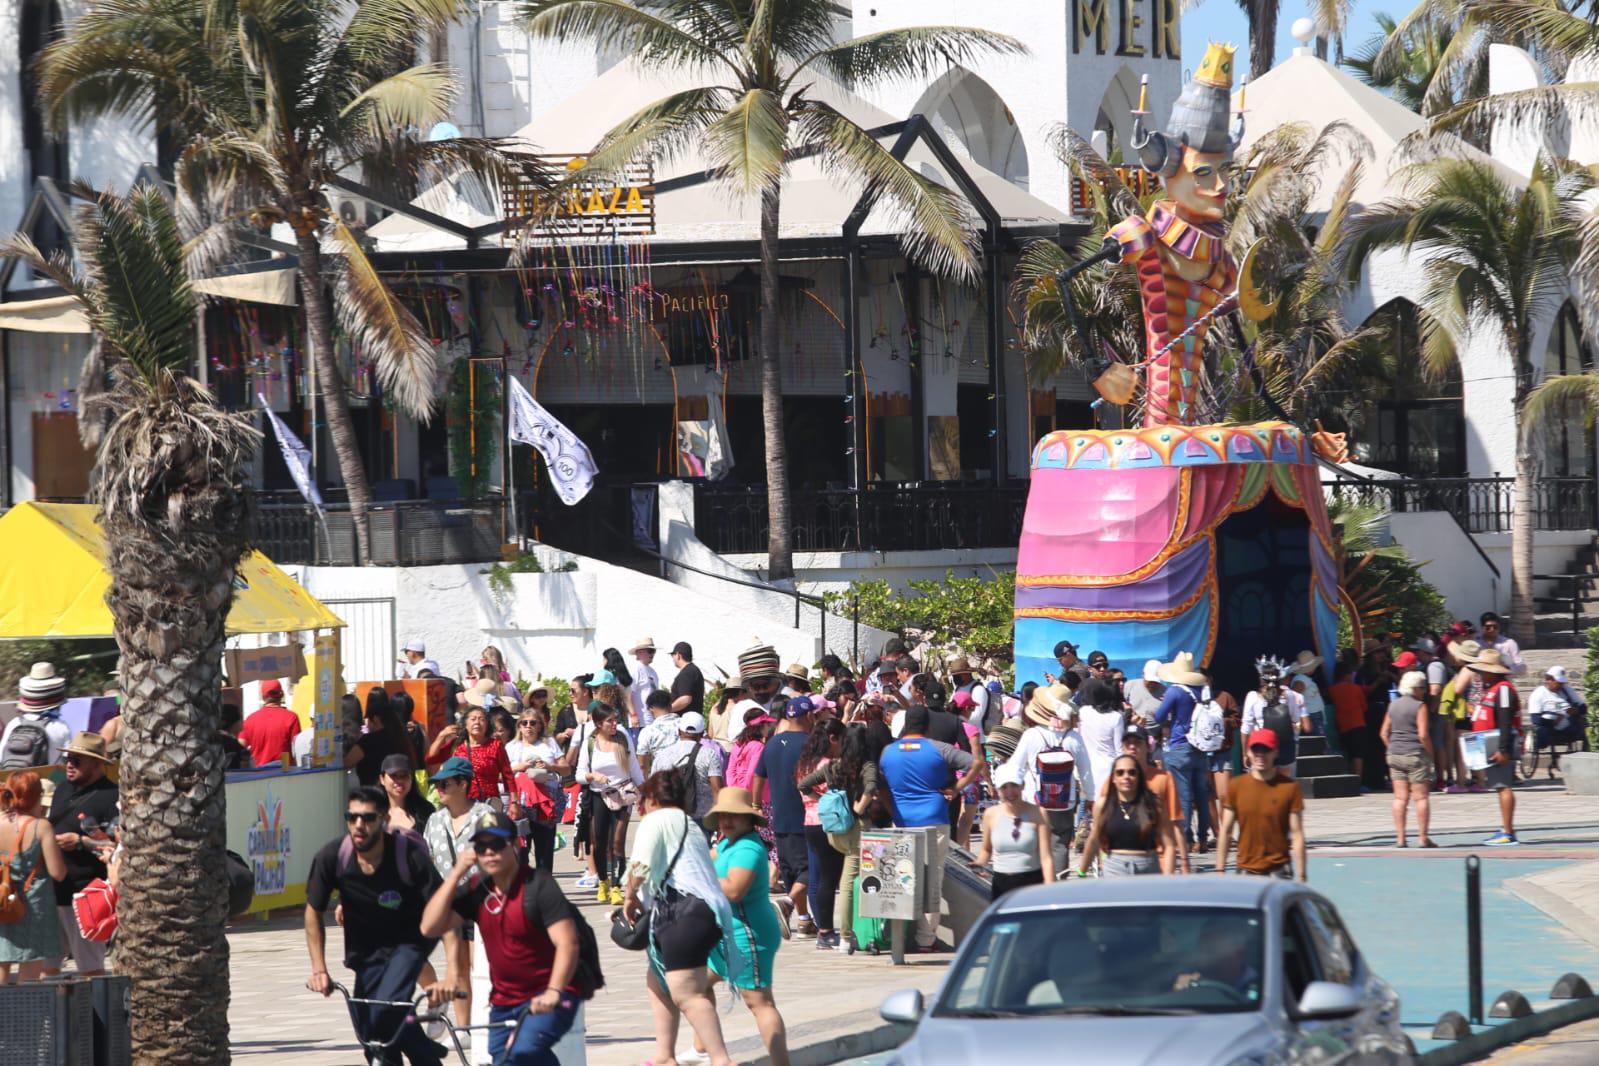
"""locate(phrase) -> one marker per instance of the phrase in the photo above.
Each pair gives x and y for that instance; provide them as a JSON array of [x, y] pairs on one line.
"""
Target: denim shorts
[[1131, 865], [1219, 762]]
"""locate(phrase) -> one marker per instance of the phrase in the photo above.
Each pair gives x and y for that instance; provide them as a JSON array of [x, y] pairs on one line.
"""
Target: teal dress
[[755, 927], [38, 935]]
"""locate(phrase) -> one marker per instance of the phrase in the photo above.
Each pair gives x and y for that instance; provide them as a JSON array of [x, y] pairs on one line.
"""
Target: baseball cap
[[822, 703], [395, 764], [1063, 647], [1406, 658], [963, 700], [1007, 775], [886, 668], [752, 713], [799, 707], [494, 824], [602, 677], [1098, 658], [1151, 670], [271, 688], [431, 666], [692, 722], [1262, 738], [1556, 672], [455, 768], [1424, 644], [418, 646]]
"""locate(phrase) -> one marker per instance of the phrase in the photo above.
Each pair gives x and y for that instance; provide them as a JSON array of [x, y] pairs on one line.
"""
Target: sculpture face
[[1199, 188]]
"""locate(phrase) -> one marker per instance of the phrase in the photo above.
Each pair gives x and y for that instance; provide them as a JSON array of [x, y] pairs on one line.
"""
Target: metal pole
[[1474, 938]]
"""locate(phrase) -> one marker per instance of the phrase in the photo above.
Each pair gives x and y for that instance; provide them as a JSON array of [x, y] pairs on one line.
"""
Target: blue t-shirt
[[917, 771], [778, 763], [1177, 710]]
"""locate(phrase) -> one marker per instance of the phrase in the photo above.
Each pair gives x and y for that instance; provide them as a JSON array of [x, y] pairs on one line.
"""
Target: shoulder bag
[[635, 936]]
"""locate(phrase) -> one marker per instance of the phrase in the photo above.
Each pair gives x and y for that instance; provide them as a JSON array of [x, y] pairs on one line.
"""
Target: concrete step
[[1312, 745], [1320, 765], [1337, 786]]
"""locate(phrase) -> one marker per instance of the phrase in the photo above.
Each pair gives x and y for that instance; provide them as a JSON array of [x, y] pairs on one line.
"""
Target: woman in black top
[[384, 736], [1129, 822]]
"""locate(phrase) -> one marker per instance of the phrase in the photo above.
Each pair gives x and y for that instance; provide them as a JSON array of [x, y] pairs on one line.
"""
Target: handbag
[[620, 797], [95, 909], [635, 936], [14, 901]]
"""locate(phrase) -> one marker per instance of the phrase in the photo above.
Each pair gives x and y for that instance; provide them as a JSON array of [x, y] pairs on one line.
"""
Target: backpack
[[1207, 729], [1055, 768], [27, 747], [403, 843], [588, 976], [14, 901], [688, 779], [834, 811]]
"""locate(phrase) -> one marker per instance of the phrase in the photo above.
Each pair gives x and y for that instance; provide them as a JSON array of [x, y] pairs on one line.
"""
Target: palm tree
[[271, 102], [1262, 15], [755, 64], [170, 481], [1414, 64], [1493, 252]]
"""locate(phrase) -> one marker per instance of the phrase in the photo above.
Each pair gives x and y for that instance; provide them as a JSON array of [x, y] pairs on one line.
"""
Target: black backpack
[[588, 977], [688, 778], [27, 747]]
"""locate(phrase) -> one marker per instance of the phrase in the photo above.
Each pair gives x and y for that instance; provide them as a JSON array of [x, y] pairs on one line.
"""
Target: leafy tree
[[970, 615], [1495, 252], [270, 102], [749, 70], [170, 481]]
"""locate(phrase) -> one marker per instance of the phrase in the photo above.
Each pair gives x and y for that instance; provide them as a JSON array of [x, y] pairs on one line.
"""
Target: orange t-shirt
[[1349, 703], [1263, 810]]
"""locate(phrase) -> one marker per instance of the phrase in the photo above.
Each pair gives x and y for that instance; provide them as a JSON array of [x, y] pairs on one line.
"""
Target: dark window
[[1335, 949], [1420, 423], [47, 155], [1568, 450], [1299, 962]]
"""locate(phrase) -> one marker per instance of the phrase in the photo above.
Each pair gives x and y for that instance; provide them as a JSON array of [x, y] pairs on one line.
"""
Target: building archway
[[1418, 425], [1568, 447], [970, 116]]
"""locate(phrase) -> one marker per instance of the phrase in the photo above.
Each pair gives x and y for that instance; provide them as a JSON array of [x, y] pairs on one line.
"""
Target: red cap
[[1406, 659], [1262, 738], [270, 689]]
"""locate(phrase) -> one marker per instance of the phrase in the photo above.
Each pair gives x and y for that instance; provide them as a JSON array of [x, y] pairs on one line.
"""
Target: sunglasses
[[529, 721], [1016, 830], [364, 817], [1124, 773], [489, 844], [73, 760]]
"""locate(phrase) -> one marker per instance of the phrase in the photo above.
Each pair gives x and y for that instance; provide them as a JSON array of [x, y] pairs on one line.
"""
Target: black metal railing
[[733, 518], [403, 532], [1480, 505]]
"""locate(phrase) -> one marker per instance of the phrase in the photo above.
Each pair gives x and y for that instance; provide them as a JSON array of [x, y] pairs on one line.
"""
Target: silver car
[[1153, 970]]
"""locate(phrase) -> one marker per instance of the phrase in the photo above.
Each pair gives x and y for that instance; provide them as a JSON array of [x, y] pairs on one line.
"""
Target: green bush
[[1410, 604], [973, 614], [1590, 685]]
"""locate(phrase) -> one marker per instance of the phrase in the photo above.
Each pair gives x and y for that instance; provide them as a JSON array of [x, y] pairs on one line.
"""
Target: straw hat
[[797, 672], [758, 662], [485, 686], [1049, 702], [1304, 662], [1465, 651], [42, 690], [960, 665], [643, 644], [1180, 671], [1003, 740], [1490, 662], [733, 800], [89, 745]]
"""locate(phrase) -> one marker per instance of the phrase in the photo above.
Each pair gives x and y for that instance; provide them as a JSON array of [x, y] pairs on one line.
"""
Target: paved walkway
[[1575, 1045]]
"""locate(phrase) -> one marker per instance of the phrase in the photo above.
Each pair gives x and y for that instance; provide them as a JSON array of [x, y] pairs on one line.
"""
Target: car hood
[[1195, 1039]]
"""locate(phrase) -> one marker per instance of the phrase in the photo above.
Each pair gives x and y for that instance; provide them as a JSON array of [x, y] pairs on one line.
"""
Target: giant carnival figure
[[1175, 536]]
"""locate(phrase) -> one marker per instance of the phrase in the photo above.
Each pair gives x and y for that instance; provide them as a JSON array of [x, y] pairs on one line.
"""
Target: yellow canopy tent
[[53, 581]]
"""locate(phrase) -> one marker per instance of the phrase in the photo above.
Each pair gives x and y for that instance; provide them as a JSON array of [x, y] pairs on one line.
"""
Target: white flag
[[570, 464], [296, 456]]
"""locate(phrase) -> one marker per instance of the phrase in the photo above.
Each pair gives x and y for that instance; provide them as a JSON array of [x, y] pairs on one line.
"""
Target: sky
[[1224, 20]]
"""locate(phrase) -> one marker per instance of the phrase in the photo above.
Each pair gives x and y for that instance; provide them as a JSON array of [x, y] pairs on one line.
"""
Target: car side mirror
[[904, 1006], [1328, 999]]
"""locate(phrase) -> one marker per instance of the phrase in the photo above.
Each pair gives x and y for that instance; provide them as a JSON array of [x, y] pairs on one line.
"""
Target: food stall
[[276, 817]]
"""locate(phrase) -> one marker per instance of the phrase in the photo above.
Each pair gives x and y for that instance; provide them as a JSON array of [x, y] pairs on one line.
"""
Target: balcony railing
[[403, 533], [1480, 505], [731, 519]]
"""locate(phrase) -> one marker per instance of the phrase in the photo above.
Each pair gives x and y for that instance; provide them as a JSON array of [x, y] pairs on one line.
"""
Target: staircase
[[1321, 773], [1567, 604]]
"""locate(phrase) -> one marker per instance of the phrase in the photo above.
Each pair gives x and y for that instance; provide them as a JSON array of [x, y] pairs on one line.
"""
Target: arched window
[[1418, 425], [1568, 444], [47, 155]]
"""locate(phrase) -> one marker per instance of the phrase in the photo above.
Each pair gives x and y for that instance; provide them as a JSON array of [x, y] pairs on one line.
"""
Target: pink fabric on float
[[1096, 523]]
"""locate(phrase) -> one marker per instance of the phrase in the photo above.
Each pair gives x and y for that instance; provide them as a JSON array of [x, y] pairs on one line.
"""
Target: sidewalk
[[277, 1022]]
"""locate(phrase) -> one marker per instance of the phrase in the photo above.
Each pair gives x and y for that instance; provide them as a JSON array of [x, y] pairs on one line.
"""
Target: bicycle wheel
[[1529, 761]]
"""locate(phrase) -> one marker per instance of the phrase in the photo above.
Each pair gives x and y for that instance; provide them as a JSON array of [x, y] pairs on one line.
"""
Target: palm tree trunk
[[1262, 35], [780, 536], [330, 384], [1523, 626], [169, 598]]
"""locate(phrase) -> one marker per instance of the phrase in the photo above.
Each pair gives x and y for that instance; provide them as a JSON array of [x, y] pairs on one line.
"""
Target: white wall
[[817, 573], [1436, 543]]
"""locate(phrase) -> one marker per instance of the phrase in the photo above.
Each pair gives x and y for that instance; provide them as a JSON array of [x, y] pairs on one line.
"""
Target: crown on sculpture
[[1198, 118], [1269, 667]]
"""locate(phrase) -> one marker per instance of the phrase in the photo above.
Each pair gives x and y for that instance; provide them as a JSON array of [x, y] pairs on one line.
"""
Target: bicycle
[[374, 1049], [1532, 754]]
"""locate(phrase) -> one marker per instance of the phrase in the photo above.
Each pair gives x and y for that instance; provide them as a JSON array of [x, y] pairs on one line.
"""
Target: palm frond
[[1088, 166], [1572, 106], [913, 53], [383, 33], [936, 224], [384, 329], [747, 142], [625, 29], [417, 97]]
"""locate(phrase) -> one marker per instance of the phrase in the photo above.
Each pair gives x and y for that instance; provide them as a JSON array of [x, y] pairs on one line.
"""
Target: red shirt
[[521, 954], [490, 768], [1349, 703], [268, 733]]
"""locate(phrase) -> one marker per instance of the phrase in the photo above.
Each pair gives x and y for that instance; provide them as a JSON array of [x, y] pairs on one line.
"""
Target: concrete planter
[[1580, 770]]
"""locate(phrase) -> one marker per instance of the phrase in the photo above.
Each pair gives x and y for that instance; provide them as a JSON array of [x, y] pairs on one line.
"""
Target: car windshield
[[1110, 960]]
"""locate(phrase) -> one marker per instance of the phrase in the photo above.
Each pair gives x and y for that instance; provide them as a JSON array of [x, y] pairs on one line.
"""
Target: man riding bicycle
[[530, 936], [384, 881]]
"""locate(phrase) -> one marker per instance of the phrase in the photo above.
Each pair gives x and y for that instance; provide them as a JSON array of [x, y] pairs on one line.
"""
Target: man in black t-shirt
[[384, 881], [688, 687], [82, 813]]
